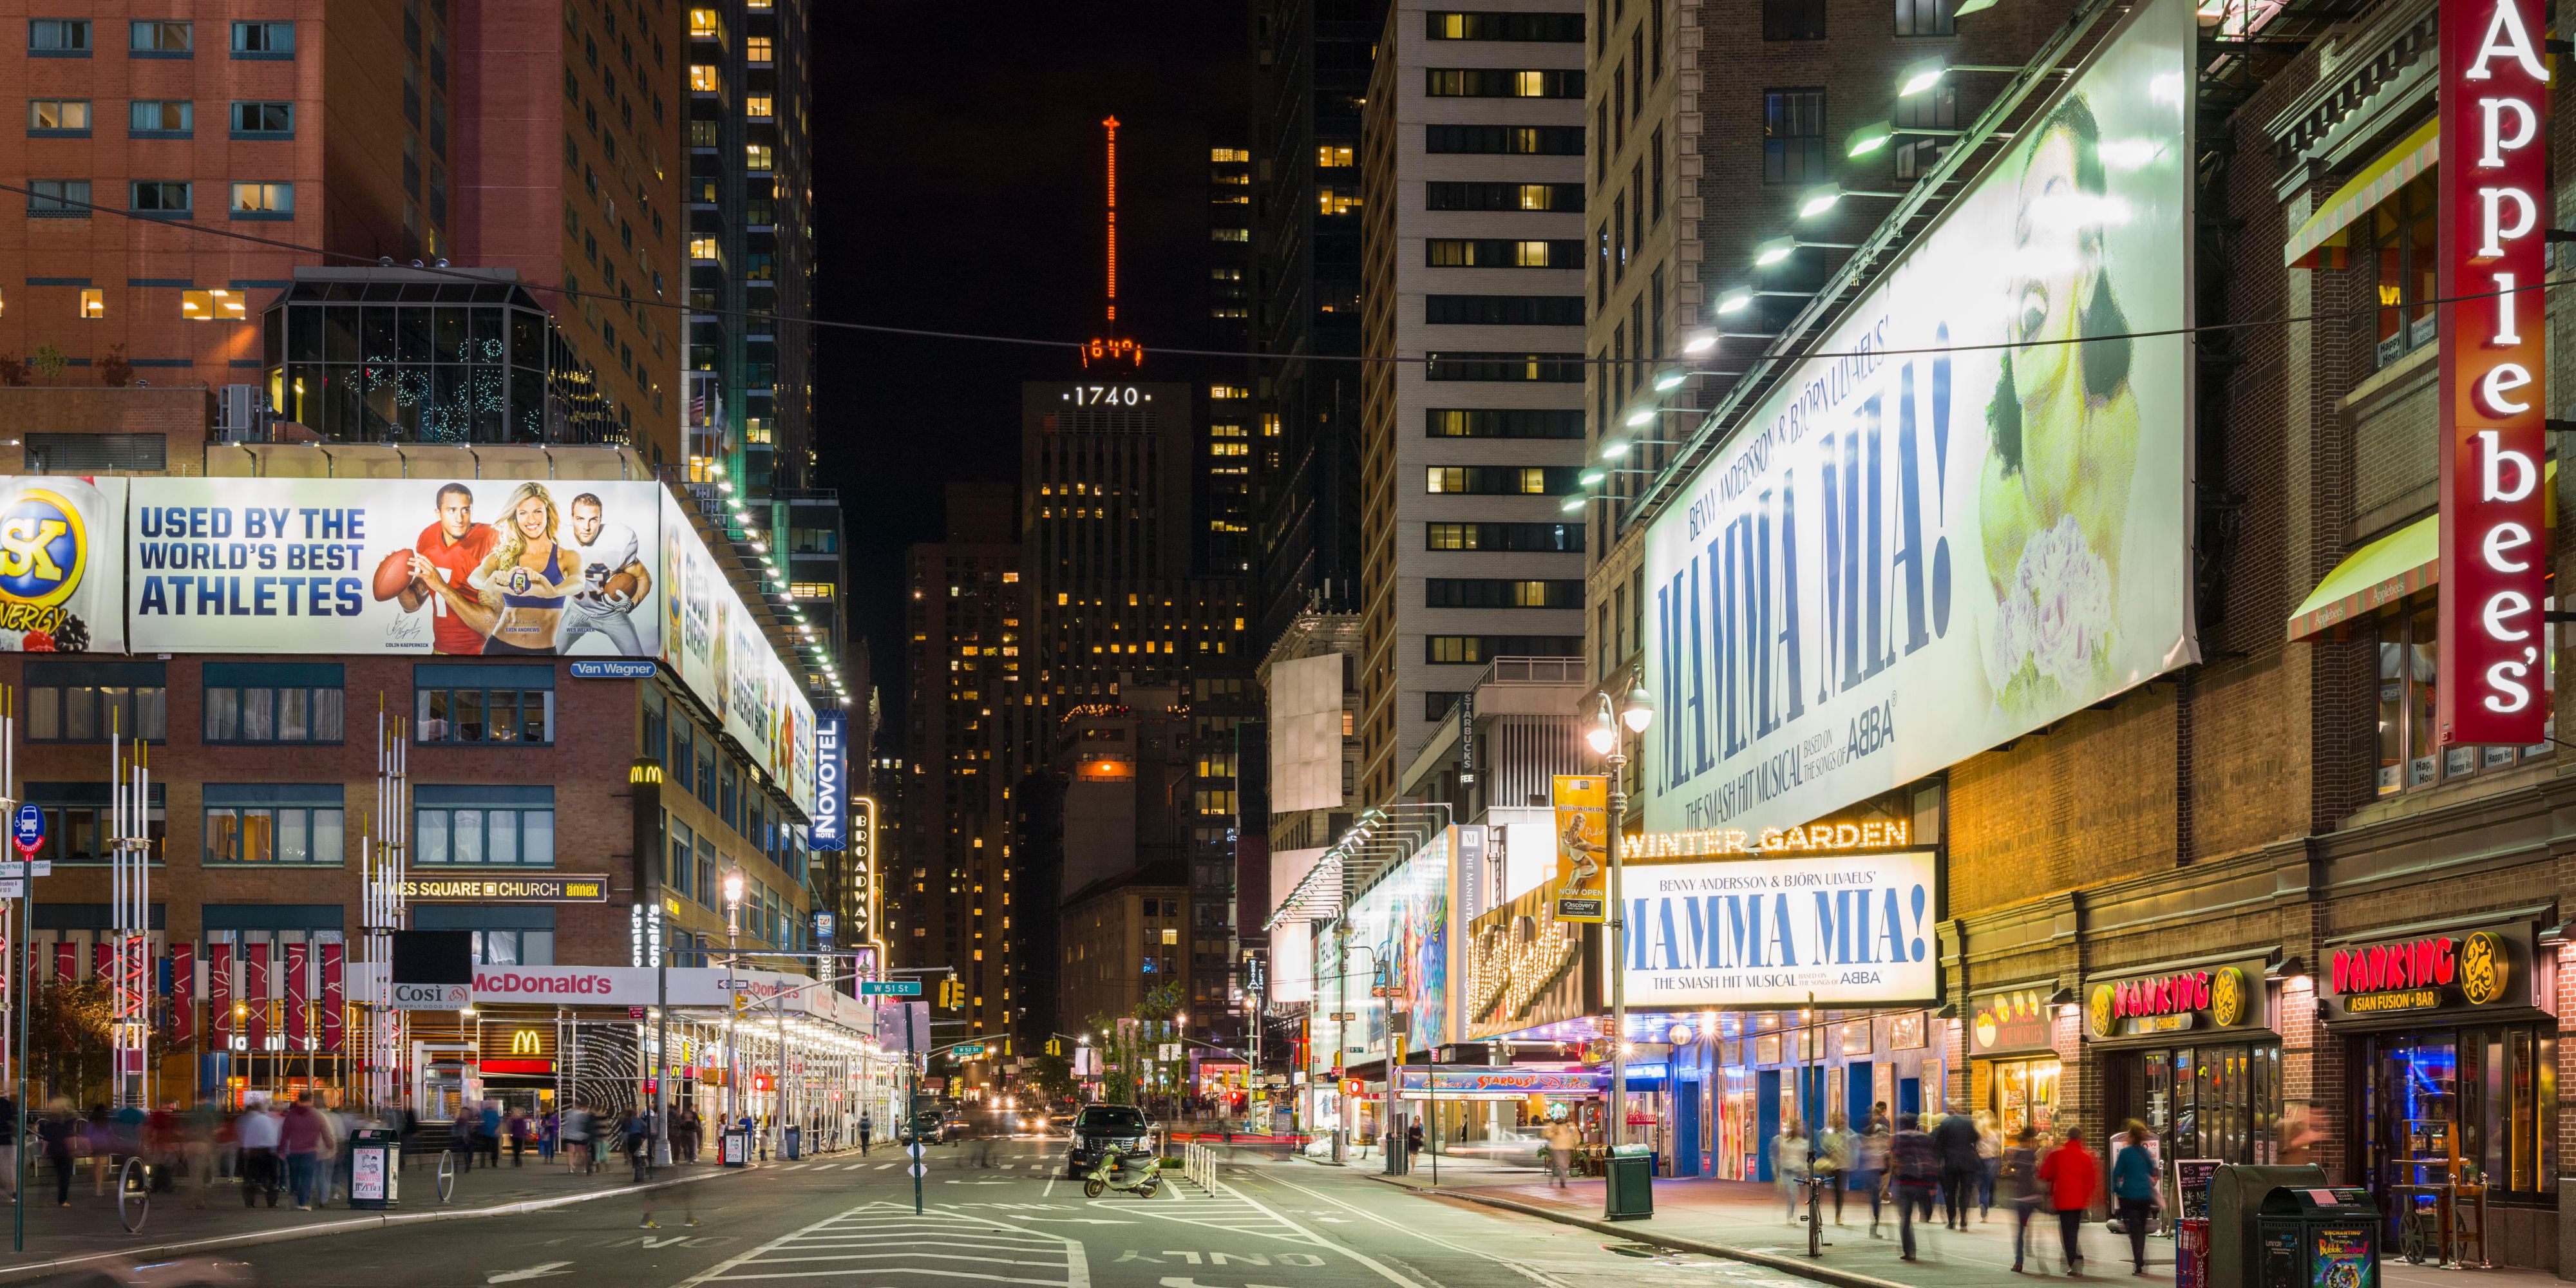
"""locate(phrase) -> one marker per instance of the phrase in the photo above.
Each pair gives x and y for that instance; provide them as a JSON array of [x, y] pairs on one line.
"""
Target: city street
[[849, 1221]]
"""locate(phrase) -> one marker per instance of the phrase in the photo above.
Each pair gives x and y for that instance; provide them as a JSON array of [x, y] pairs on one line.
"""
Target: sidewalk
[[1747, 1221], [90, 1226]]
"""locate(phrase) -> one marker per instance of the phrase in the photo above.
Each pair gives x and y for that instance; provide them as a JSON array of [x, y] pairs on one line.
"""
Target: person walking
[[2133, 1187], [639, 1144], [576, 1135], [257, 1132], [301, 1137], [2020, 1177], [1561, 1139], [867, 1127], [1790, 1164], [517, 1128], [9, 1140], [1990, 1151], [487, 1133], [1916, 1164], [58, 1135], [2071, 1175], [1835, 1151], [1869, 1169], [200, 1125], [549, 1131], [460, 1138], [1956, 1138]]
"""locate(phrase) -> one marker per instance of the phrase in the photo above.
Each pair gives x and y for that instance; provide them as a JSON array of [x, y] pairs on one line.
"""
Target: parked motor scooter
[[1111, 1173]]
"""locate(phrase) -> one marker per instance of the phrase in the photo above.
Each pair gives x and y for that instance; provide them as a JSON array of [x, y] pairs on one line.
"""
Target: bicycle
[[134, 1193]]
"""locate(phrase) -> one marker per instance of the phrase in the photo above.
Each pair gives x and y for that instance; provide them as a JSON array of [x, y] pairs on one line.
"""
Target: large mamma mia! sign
[[1968, 516], [1837, 929]]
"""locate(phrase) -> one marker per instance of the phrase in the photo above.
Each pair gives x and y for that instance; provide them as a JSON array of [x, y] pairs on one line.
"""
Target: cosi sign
[[2494, 227]]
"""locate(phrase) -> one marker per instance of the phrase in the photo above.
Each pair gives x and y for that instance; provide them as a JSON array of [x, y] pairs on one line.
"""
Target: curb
[[322, 1229], [1634, 1234]]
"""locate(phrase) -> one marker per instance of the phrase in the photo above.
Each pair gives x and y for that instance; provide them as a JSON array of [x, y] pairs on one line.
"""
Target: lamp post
[[733, 1059], [1635, 713]]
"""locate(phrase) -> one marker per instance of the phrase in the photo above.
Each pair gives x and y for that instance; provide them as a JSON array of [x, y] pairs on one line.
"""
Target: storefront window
[[2402, 263], [2025, 1095], [2464, 1106], [2409, 649], [2221, 1102]]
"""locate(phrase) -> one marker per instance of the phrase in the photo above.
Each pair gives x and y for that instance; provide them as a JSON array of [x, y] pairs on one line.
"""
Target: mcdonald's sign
[[518, 1048], [525, 1042]]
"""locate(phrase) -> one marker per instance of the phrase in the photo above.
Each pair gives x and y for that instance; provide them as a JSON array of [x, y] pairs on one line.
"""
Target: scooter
[[1141, 1180]]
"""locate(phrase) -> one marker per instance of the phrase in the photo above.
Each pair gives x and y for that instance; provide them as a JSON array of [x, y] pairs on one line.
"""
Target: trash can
[[375, 1168], [795, 1143], [2317, 1238], [737, 1147], [1628, 1177], [2236, 1194]]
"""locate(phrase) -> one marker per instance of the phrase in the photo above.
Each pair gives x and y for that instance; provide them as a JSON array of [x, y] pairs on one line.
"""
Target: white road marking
[[532, 1272], [1389, 1274], [1526, 1271], [888, 1239]]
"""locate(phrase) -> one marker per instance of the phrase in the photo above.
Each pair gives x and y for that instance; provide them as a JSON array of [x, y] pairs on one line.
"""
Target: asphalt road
[[849, 1223]]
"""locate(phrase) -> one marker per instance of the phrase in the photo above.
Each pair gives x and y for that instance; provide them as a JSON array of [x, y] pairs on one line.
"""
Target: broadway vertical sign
[[2494, 227]]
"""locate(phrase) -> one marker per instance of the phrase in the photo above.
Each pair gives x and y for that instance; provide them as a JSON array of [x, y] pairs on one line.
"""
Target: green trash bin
[[375, 1169], [1628, 1176]]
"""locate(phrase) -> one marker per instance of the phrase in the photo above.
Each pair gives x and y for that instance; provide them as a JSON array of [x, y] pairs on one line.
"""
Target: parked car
[[1097, 1128], [928, 1128]]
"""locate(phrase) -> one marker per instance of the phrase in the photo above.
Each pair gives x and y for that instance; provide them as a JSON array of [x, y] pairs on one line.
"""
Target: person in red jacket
[[2070, 1176]]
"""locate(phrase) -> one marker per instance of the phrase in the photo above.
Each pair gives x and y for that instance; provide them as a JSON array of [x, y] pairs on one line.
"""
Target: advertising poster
[[713, 644], [1582, 876], [1849, 930], [459, 567], [1403, 924], [62, 567], [2342, 1258], [1969, 514]]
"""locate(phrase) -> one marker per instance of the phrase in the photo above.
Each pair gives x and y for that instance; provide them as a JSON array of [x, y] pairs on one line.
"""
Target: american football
[[624, 583], [393, 576]]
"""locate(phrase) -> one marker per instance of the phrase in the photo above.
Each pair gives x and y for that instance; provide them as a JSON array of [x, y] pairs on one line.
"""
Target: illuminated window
[[703, 78], [702, 248], [760, 156], [1009, 578], [703, 22], [1228, 391], [1230, 156], [208, 306], [1447, 478], [1229, 449], [1225, 431], [49, 114], [758, 49], [1270, 425], [1533, 482], [1230, 234], [93, 302], [809, 589], [759, 105], [1327, 154], [263, 199], [1336, 201]]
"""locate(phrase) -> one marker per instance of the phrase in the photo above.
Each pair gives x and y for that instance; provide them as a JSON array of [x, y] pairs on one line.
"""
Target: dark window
[[79, 823], [2411, 757], [484, 704], [1501, 252], [1547, 538], [1447, 650], [92, 701], [58, 37], [159, 38], [1497, 82], [1504, 140], [1925, 18], [1793, 19], [1454, 25], [1501, 592], [488, 826], [275, 823], [1436, 703], [1503, 310], [264, 120], [58, 198], [263, 40], [1936, 108], [1793, 136], [1503, 196], [1503, 422], [160, 118], [158, 197], [1543, 368], [260, 702]]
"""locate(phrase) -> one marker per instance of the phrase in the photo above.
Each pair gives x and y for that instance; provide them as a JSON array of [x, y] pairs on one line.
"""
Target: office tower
[[1312, 67], [968, 732], [1472, 256], [749, 191]]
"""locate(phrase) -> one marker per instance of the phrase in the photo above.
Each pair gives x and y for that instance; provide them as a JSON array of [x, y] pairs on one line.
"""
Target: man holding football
[[612, 580], [447, 553]]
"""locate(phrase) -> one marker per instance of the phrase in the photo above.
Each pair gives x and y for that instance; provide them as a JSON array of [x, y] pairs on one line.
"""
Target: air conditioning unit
[[241, 414]]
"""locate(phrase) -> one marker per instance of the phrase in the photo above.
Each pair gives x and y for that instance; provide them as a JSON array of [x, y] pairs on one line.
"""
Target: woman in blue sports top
[[525, 579]]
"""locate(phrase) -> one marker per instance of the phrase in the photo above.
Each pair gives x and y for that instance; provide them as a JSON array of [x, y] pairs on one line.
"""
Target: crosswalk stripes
[[1222, 1210], [887, 1242]]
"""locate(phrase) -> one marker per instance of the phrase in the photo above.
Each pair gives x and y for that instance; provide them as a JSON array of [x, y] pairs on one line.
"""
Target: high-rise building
[[969, 729], [409, 130], [1312, 62], [1229, 247], [1466, 458], [749, 190]]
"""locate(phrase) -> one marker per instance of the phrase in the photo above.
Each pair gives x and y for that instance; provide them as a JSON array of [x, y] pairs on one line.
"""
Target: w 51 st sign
[[2494, 228]]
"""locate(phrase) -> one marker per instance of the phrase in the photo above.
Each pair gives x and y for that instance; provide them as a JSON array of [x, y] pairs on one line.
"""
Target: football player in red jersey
[[447, 553]]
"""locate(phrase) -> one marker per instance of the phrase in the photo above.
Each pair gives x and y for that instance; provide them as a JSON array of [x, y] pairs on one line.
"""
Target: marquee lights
[[2494, 118]]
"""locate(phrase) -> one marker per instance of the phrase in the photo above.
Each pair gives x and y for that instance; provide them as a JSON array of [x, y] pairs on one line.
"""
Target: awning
[[2388, 570], [2325, 229]]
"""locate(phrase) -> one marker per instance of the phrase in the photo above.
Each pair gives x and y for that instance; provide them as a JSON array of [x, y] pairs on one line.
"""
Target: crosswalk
[[1040, 1166], [1227, 1209], [887, 1243]]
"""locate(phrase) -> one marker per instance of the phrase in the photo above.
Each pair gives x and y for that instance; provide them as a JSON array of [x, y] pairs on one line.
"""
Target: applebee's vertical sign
[[2494, 227]]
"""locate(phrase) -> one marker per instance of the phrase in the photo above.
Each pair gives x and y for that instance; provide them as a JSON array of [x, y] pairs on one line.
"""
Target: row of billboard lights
[[1918, 78], [805, 632]]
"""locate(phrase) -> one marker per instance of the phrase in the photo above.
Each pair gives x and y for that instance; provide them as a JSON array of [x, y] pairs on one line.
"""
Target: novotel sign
[[831, 828], [2494, 206]]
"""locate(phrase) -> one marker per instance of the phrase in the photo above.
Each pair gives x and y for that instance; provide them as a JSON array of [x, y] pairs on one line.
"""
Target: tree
[[1050, 1076], [48, 362], [12, 370], [70, 1023], [113, 370]]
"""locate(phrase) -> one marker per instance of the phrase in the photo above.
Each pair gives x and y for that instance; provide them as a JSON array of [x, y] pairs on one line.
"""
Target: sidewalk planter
[[1630, 1181]]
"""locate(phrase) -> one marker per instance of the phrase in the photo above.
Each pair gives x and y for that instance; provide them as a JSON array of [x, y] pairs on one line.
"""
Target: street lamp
[[733, 880], [1636, 712]]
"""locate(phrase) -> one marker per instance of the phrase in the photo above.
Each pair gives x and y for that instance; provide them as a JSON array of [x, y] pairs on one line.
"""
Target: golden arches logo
[[526, 1042]]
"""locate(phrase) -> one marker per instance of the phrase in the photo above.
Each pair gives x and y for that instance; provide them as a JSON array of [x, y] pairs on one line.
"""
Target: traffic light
[[952, 994], [1055, 1046]]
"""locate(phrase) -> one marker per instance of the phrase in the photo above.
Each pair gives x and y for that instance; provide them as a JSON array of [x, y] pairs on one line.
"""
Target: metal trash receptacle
[[1628, 1180], [2326, 1237], [375, 1168], [737, 1147], [795, 1143]]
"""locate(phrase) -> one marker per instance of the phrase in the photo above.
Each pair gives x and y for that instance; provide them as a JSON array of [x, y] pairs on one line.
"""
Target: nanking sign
[[2428, 972], [1968, 514], [2219, 997], [2494, 207]]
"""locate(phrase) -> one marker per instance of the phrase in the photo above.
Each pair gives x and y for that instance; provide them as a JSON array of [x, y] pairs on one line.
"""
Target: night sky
[[959, 187]]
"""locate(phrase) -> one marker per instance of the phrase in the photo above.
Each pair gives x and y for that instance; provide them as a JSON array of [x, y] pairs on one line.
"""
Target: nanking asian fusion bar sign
[[2212, 997], [2494, 204], [2484, 967]]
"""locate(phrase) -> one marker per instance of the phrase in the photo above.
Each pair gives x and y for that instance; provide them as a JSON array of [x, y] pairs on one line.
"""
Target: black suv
[[1099, 1126]]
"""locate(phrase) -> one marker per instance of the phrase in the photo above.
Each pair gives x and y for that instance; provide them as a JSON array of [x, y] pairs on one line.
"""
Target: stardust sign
[[1847, 929], [1968, 516], [2494, 395]]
